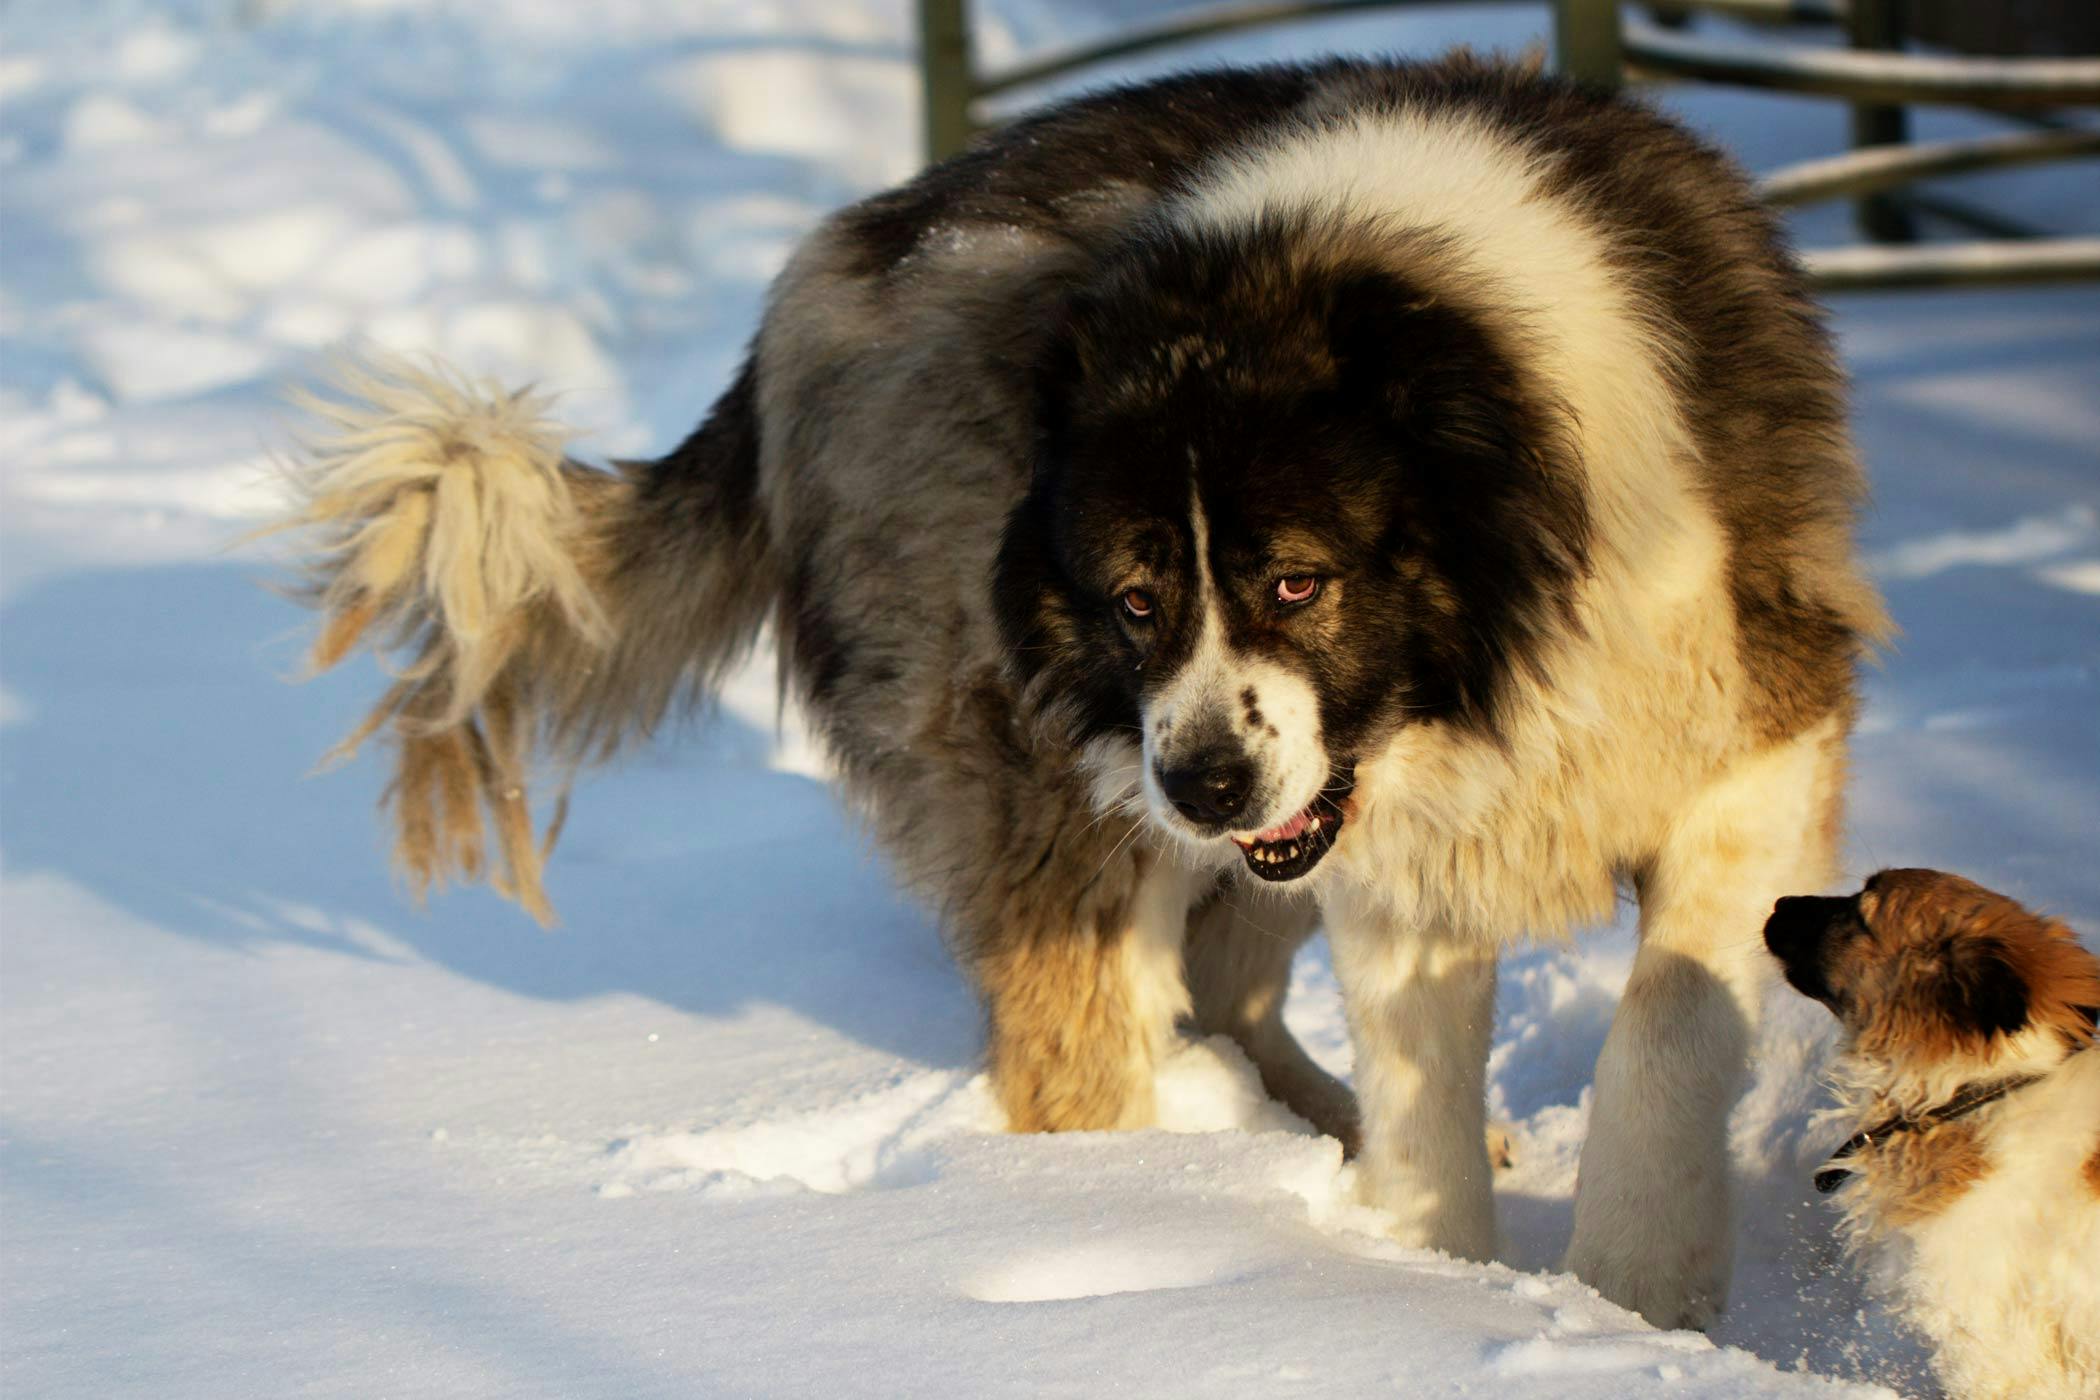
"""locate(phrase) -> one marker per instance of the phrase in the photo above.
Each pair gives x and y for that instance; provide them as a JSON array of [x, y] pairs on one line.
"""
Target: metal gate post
[[1878, 24], [1586, 41], [945, 76]]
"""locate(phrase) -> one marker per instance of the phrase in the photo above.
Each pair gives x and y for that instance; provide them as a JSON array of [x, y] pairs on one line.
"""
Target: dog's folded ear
[[1985, 993]]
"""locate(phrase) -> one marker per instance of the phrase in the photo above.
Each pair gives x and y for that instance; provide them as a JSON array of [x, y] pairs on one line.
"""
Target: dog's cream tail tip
[[440, 501]]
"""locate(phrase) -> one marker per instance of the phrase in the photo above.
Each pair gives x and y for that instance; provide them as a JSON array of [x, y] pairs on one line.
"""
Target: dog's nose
[[1798, 920], [1783, 928], [1207, 792]]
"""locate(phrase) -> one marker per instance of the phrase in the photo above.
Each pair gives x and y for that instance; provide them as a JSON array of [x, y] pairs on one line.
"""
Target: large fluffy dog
[[1974, 1181], [1415, 498]]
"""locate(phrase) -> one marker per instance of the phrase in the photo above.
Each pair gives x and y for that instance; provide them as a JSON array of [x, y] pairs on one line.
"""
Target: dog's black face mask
[[1278, 512]]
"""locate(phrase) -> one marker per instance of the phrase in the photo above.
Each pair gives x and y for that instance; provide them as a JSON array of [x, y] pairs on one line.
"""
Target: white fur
[[1152, 971], [445, 529], [1537, 266], [1421, 1006], [1293, 760], [2006, 1280], [1652, 1224]]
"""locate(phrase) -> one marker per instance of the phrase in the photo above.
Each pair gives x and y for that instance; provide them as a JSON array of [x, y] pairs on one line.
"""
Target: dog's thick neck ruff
[[1975, 1095]]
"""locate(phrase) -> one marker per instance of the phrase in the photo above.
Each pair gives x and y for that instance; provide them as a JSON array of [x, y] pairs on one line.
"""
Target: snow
[[267, 1130]]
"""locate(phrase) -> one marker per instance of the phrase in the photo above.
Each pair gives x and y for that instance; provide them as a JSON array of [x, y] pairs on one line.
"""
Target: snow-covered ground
[[265, 1130]]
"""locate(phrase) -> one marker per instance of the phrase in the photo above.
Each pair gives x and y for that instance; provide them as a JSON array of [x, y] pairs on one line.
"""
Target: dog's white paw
[[1452, 1211], [1671, 1283]]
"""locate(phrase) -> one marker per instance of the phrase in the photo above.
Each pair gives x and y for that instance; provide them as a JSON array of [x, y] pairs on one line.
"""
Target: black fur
[[1799, 933], [709, 482], [1981, 990]]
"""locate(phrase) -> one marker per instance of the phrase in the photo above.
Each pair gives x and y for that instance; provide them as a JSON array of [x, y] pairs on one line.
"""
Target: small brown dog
[[1974, 1181]]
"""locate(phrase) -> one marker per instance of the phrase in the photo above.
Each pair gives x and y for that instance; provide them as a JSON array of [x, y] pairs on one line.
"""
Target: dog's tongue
[[1285, 831]]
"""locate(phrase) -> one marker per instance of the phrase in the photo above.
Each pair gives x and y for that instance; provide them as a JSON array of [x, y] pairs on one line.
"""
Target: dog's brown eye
[[1137, 602], [1297, 588]]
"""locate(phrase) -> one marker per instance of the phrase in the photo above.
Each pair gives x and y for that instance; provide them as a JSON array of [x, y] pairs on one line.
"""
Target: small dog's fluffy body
[[1411, 499], [1973, 1185]]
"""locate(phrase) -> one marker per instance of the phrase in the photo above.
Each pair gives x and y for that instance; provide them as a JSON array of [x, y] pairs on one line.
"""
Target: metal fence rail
[[1890, 167], [1999, 263], [1203, 24], [1857, 76]]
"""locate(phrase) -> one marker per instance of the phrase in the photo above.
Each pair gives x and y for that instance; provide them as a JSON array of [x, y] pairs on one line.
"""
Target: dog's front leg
[[1421, 1006], [1652, 1210], [1083, 997]]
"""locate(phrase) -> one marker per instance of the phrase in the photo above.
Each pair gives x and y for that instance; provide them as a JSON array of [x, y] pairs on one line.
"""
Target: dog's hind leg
[[1652, 1222], [1239, 955]]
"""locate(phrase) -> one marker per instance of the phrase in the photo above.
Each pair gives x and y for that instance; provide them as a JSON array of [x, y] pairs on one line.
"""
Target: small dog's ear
[[1985, 992]]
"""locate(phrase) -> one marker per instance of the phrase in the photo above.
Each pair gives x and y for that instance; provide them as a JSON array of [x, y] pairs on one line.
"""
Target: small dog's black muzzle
[[1796, 932]]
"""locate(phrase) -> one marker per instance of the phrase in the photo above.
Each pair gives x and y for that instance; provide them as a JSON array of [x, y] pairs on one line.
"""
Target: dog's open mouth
[[1292, 848]]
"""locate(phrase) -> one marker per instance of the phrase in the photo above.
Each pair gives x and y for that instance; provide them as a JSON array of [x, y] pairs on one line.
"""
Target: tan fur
[[2063, 980], [1913, 918], [2091, 1172], [1067, 1046], [1922, 1174]]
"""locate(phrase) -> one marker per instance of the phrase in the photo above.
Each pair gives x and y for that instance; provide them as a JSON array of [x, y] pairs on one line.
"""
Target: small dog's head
[[1921, 967]]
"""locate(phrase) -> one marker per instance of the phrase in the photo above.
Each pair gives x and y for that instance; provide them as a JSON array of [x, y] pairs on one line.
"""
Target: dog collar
[[1966, 1100]]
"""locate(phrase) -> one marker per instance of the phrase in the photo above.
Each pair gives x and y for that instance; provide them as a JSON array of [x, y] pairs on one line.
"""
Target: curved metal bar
[[1952, 264], [1228, 19], [1869, 77], [1769, 11], [1223, 20], [1889, 167]]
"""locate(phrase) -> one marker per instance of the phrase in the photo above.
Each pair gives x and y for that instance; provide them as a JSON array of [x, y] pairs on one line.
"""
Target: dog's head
[[1923, 967], [1285, 502]]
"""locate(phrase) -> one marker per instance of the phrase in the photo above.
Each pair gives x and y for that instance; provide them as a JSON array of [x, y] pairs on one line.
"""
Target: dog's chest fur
[[1987, 1231]]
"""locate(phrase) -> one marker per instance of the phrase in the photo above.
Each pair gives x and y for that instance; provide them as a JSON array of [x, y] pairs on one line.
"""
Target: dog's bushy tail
[[533, 613]]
